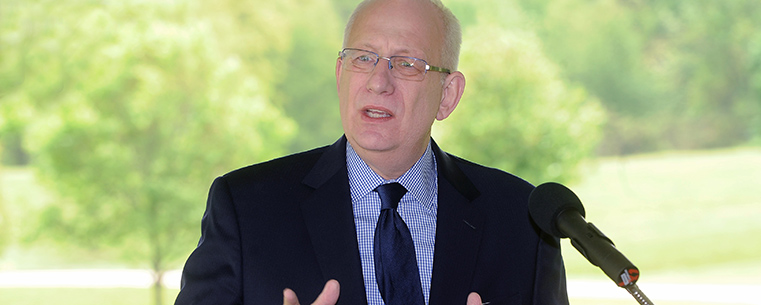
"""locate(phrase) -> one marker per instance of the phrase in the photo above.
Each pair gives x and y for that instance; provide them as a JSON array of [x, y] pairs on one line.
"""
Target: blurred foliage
[[128, 109], [672, 74], [5, 226], [129, 112], [517, 113]]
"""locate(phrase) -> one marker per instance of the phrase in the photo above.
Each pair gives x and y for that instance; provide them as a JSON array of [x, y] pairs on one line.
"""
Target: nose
[[381, 80]]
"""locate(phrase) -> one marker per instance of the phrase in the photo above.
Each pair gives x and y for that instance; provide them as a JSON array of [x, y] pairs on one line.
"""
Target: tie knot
[[390, 194]]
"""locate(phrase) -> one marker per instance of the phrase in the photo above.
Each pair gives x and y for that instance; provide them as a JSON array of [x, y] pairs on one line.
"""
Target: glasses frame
[[428, 67]]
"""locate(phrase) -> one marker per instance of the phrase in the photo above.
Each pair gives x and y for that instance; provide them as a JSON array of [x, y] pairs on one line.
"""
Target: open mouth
[[377, 114]]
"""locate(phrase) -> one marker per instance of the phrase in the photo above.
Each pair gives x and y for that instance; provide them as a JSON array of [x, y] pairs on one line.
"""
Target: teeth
[[377, 114]]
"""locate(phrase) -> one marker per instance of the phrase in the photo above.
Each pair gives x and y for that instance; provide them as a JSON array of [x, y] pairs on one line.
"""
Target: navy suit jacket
[[288, 223]]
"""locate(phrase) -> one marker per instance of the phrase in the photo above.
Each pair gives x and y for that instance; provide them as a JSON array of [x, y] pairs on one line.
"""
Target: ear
[[454, 86], [339, 68]]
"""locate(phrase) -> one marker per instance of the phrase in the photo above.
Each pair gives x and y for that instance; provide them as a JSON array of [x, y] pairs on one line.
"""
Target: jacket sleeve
[[212, 273], [550, 282]]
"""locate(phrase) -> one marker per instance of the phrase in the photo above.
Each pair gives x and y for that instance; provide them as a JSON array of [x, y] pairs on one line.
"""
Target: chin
[[370, 142]]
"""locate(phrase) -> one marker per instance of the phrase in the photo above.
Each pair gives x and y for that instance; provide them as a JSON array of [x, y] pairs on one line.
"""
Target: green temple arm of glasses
[[437, 69]]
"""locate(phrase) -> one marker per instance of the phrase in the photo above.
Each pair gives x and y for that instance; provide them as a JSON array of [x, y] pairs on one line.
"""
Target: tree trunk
[[158, 257], [158, 295]]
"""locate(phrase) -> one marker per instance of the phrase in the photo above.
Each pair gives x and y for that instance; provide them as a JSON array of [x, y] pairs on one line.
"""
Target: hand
[[328, 296], [474, 299]]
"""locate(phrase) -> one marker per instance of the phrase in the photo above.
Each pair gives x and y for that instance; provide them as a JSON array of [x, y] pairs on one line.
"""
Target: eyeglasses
[[402, 67]]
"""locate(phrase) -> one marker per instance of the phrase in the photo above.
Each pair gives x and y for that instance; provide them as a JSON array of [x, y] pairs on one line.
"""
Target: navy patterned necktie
[[396, 268]]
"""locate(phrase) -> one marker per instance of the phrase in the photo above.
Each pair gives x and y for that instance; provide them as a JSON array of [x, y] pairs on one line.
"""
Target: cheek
[[344, 94], [349, 87], [423, 113], [430, 99]]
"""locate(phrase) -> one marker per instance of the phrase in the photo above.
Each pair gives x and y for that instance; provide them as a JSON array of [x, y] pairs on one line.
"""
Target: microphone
[[559, 212]]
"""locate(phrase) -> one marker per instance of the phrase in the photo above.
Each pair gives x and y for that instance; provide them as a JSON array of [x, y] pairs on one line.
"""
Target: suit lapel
[[458, 233], [330, 222]]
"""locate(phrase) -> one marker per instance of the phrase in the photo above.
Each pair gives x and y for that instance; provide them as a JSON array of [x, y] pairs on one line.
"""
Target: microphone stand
[[638, 294]]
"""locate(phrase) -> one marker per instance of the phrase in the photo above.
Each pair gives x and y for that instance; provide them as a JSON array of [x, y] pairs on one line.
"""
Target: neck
[[391, 164]]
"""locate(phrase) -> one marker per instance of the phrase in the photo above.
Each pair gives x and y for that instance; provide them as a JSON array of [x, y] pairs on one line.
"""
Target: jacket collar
[[334, 159], [449, 170], [329, 164]]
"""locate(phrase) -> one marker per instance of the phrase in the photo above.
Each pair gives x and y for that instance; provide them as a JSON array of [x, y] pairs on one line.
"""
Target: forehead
[[400, 27]]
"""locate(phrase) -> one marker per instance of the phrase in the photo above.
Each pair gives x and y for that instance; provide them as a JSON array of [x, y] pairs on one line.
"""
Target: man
[[310, 223]]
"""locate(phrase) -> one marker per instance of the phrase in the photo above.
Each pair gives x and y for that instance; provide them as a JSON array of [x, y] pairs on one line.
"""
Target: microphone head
[[547, 201]]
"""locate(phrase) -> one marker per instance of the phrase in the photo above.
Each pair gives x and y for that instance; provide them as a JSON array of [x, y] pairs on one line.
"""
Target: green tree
[[671, 74], [517, 113], [602, 46], [307, 92], [130, 110], [715, 69], [297, 52]]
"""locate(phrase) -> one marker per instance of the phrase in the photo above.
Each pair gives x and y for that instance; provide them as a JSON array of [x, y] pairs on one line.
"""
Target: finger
[[474, 299], [329, 294], [289, 297]]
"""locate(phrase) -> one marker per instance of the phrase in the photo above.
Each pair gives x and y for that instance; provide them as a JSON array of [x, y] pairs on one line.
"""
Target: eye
[[365, 58], [407, 66], [406, 63]]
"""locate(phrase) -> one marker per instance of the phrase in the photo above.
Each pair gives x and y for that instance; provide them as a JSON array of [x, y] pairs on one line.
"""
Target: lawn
[[81, 296], [681, 217], [137, 296], [675, 214]]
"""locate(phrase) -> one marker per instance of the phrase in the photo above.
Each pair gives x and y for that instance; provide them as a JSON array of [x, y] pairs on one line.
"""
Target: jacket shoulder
[[492, 178], [288, 167]]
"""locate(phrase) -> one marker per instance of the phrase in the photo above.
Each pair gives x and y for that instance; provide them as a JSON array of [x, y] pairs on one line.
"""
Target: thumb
[[474, 299], [289, 297], [329, 294]]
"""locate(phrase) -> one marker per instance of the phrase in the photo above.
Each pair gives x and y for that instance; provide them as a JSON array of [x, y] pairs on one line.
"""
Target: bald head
[[447, 27]]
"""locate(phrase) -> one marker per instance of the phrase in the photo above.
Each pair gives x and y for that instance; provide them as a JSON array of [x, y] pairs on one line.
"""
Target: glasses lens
[[403, 67], [360, 61], [408, 67]]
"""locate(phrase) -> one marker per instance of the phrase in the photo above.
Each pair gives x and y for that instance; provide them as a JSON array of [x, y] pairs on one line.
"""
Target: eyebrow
[[399, 52]]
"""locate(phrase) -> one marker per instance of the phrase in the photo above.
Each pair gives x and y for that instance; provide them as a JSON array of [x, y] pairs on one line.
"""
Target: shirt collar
[[420, 180]]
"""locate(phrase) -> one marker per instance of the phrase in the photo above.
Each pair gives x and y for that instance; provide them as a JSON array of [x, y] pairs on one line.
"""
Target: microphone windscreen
[[547, 201]]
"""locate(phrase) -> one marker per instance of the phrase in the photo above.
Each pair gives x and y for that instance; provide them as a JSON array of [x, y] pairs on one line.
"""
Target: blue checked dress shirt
[[417, 208]]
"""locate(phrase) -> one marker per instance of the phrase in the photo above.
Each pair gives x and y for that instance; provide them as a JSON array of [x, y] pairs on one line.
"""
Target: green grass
[[82, 296], [677, 213], [135, 296]]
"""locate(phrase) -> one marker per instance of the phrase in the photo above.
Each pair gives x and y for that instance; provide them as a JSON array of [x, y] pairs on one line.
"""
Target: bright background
[[116, 115]]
